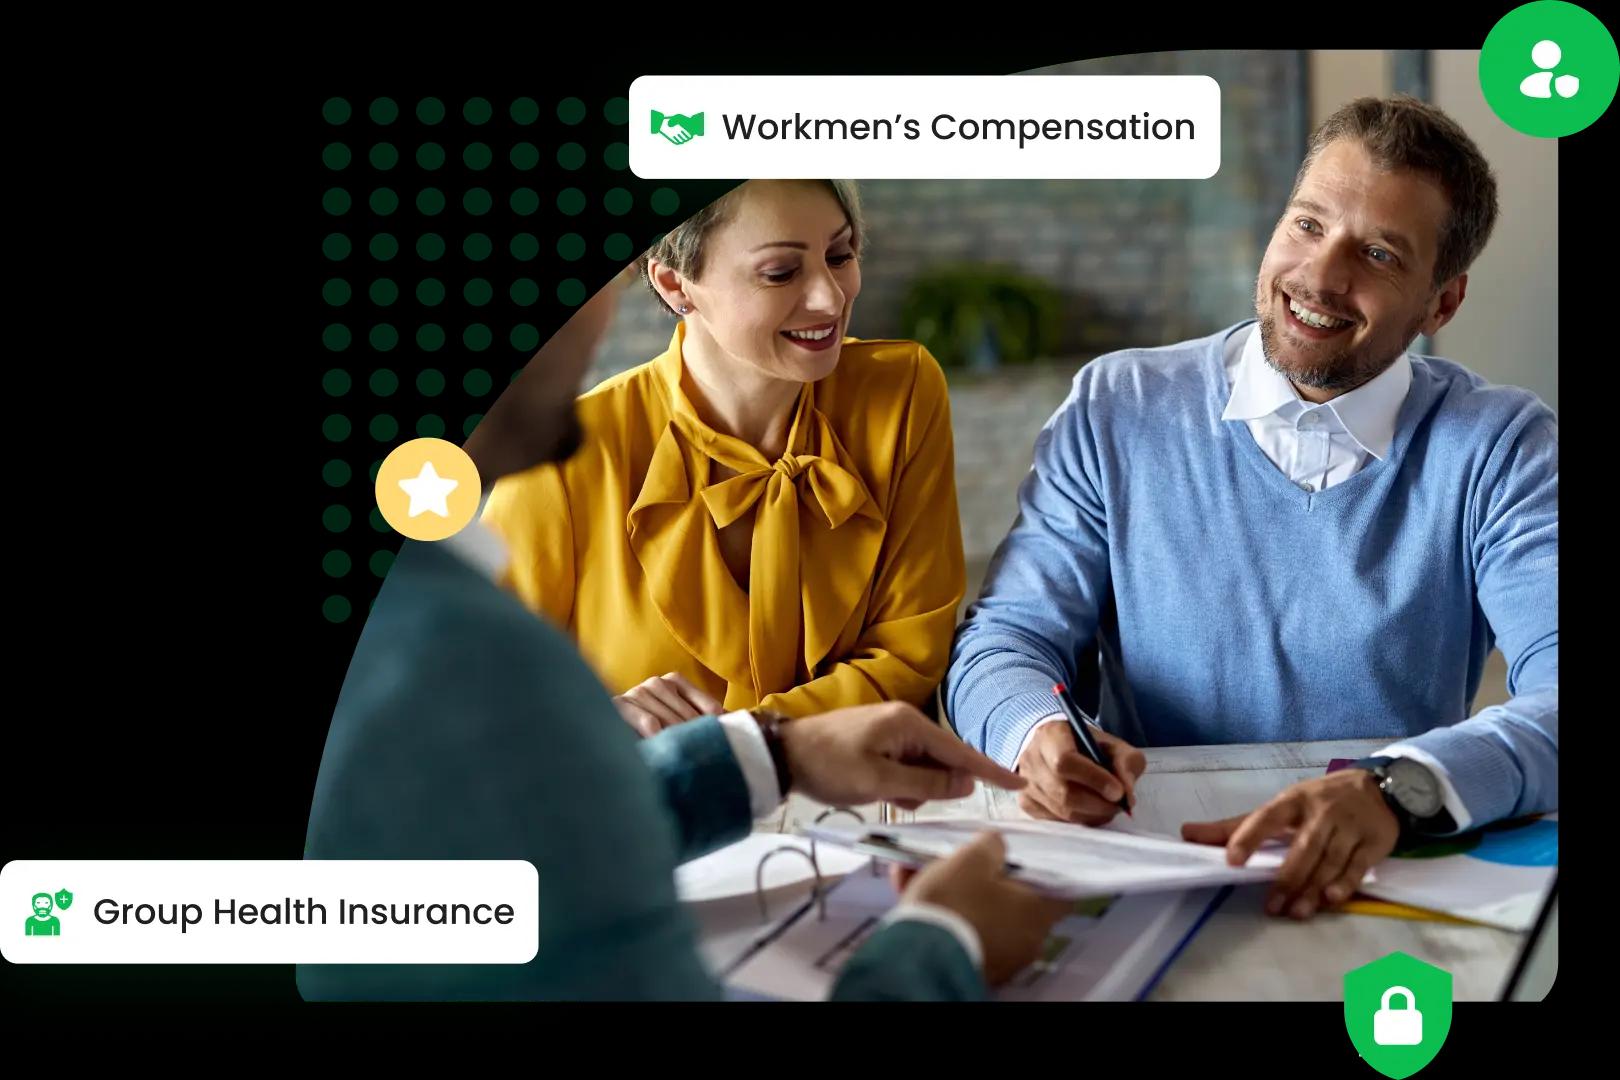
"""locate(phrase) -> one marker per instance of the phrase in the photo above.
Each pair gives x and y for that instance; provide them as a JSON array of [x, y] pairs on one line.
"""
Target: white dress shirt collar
[[1367, 414]]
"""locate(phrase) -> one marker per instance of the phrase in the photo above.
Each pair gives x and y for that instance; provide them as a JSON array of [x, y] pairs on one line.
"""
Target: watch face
[[1414, 787]]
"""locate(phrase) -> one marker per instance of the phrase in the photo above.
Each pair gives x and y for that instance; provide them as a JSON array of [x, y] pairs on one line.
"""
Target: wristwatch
[[1413, 794], [770, 722]]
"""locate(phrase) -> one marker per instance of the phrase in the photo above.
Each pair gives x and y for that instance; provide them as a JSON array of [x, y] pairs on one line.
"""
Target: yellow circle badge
[[428, 489]]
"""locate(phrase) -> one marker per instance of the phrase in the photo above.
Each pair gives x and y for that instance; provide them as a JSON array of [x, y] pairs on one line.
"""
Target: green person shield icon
[[42, 923], [1397, 1011], [1549, 68]]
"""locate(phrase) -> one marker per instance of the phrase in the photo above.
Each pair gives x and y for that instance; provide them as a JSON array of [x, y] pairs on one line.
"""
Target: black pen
[[1077, 722]]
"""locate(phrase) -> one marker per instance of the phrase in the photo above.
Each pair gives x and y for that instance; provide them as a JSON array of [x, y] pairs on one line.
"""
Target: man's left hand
[[1341, 828]]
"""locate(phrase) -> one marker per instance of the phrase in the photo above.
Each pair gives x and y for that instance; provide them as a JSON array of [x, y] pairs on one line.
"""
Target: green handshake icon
[[677, 127]]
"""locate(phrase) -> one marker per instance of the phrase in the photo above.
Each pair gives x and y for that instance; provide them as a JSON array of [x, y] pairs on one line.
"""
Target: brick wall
[[1137, 262]]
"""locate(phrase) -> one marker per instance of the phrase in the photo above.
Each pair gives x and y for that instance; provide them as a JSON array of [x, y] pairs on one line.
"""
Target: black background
[[173, 676]]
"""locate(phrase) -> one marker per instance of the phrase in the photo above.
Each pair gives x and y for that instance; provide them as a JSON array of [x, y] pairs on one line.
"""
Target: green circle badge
[[1549, 69]]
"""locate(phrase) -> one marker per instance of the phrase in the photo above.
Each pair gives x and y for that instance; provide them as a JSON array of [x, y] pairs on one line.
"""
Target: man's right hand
[[1012, 919], [1065, 785]]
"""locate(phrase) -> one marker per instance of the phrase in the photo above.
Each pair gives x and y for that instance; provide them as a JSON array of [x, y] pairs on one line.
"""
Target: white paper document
[[734, 869], [1499, 875], [1061, 859]]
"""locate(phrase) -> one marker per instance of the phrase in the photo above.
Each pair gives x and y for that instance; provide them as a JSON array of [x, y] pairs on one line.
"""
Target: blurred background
[[1067, 270]]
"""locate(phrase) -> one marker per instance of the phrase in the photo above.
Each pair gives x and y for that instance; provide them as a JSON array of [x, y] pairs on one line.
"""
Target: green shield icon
[[64, 899], [1397, 1011]]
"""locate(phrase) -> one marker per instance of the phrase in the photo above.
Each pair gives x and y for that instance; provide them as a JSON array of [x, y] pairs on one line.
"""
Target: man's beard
[[1340, 371]]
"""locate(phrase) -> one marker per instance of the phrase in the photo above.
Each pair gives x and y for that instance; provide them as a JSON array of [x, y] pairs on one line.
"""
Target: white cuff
[[754, 759], [1454, 806], [944, 918], [1055, 718]]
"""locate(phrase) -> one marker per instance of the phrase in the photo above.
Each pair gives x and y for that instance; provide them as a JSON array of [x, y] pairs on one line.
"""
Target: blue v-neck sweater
[[1232, 606]]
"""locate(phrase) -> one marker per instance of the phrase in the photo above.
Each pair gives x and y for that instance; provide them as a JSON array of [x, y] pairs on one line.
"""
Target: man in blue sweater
[[1296, 529]]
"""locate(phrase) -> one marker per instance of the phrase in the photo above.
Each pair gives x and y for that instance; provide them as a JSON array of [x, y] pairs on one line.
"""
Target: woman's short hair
[[682, 249]]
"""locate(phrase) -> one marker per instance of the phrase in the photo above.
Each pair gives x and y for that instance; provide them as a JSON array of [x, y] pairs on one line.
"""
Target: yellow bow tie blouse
[[855, 570]]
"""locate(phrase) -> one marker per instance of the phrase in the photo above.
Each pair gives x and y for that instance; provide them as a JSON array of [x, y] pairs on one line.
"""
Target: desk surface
[[1241, 954]]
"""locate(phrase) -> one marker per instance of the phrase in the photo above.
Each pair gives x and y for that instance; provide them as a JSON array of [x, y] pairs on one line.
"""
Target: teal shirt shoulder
[[469, 729]]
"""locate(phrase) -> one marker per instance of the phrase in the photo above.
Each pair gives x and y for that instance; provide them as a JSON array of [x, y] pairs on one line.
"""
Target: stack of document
[[1064, 860]]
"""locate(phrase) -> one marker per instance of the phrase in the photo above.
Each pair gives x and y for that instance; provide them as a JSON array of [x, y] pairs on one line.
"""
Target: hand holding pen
[[1069, 781]]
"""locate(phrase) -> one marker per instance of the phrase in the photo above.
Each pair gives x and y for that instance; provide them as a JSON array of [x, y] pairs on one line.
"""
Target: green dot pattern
[[525, 156], [571, 201], [457, 231], [524, 292], [525, 201]]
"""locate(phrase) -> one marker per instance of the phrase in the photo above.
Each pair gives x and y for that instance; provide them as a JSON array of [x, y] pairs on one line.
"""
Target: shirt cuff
[[1454, 805], [945, 919], [1055, 718], [754, 759]]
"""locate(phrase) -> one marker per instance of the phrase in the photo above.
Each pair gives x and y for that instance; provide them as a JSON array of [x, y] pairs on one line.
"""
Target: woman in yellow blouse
[[765, 515]]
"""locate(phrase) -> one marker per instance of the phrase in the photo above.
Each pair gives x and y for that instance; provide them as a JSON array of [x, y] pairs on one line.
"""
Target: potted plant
[[982, 316]]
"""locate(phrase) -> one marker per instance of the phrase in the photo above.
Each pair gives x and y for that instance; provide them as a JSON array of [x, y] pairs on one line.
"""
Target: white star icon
[[428, 490]]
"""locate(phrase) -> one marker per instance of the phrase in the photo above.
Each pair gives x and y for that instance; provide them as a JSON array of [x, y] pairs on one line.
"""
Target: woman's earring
[[685, 309]]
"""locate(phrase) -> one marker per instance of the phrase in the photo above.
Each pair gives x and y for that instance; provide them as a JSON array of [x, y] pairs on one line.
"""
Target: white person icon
[[1541, 84]]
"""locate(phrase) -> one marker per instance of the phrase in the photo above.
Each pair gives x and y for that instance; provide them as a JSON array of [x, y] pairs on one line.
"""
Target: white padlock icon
[[1398, 1027]]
